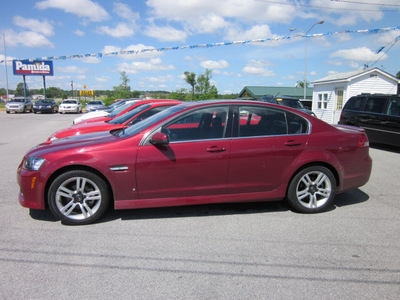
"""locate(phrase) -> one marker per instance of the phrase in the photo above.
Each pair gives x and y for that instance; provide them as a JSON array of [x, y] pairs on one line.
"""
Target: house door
[[338, 106]]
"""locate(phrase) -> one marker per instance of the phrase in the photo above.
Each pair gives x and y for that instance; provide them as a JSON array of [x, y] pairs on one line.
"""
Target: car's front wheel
[[78, 197], [312, 190]]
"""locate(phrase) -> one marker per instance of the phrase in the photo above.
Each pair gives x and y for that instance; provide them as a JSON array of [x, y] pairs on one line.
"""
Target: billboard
[[86, 93], [33, 67]]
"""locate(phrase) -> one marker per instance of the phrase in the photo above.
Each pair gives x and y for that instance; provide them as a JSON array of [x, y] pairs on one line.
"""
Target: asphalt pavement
[[221, 251]]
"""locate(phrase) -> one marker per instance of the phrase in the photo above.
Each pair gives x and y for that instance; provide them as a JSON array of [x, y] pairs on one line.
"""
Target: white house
[[332, 92]]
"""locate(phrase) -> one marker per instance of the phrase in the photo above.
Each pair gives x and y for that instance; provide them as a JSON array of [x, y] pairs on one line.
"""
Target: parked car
[[45, 106], [377, 114], [94, 105], [100, 112], [129, 105], [287, 101], [19, 104], [133, 116], [197, 153], [70, 106]]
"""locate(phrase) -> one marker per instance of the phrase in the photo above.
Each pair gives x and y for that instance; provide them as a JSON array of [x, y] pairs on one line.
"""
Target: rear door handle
[[216, 149], [292, 143]]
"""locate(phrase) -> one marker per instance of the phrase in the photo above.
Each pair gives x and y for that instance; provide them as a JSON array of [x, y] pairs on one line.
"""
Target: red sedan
[[197, 153], [133, 116]]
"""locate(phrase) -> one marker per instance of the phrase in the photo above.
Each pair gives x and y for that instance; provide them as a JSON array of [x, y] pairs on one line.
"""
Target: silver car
[[94, 105], [19, 104]]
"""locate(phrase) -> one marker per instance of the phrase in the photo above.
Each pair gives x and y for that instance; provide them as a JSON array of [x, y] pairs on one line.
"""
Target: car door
[[194, 163], [267, 144]]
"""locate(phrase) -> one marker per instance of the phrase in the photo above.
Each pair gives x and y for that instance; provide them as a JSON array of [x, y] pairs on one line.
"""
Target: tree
[[204, 88], [19, 91], [398, 74], [123, 90], [190, 78], [53, 92], [300, 84]]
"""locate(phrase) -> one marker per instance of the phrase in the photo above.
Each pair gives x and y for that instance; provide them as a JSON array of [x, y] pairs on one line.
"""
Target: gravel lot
[[224, 251]]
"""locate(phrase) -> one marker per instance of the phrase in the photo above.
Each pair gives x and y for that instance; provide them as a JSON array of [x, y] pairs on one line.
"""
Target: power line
[[366, 3], [392, 43], [326, 7]]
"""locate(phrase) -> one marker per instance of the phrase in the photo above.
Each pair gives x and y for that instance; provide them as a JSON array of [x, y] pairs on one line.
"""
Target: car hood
[[76, 141]]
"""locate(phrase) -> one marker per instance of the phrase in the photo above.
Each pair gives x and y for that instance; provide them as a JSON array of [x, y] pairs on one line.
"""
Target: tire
[[312, 190], [69, 197]]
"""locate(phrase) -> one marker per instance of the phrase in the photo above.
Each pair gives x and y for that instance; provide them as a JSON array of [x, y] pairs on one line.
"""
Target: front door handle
[[216, 149]]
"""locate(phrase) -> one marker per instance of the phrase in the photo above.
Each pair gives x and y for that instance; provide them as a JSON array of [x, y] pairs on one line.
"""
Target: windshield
[[95, 103], [44, 102], [138, 127], [130, 114], [120, 109], [70, 102], [292, 103], [17, 100]]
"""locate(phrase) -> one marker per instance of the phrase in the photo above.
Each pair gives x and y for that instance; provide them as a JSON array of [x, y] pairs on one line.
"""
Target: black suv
[[287, 101], [378, 114]]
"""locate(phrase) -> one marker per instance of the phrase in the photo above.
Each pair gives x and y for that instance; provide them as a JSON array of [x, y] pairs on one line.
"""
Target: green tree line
[[201, 89]]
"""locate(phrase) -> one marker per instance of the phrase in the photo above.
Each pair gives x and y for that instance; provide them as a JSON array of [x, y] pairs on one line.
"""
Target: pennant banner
[[208, 45]]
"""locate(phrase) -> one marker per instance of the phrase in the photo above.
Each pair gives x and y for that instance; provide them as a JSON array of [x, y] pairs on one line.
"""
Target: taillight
[[363, 141]]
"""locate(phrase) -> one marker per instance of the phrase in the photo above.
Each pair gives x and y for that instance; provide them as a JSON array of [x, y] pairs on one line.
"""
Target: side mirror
[[159, 138]]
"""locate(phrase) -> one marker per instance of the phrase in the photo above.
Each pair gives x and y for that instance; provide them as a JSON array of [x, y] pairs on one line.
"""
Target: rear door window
[[375, 105]]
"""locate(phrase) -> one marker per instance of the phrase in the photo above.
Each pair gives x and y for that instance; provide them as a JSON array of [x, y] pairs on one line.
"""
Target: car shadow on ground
[[385, 148], [352, 197]]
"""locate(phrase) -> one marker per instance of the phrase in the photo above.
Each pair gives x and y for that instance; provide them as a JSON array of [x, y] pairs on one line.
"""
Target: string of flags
[[209, 45]]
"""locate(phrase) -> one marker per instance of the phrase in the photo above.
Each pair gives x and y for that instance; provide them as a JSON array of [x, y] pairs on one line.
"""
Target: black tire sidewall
[[292, 197], [105, 196]]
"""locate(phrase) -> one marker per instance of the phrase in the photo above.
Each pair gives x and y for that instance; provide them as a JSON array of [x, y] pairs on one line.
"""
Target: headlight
[[33, 163]]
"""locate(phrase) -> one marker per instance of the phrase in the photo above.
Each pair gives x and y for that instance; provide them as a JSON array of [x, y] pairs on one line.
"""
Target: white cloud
[[81, 77], [259, 68], [79, 32], [159, 79], [27, 38], [70, 69], [154, 64], [87, 9], [346, 13], [103, 78], [362, 54], [255, 32], [125, 12], [206, 16], [166, 33], [90, 60], [44, 27], [121, 30], [211, 64]]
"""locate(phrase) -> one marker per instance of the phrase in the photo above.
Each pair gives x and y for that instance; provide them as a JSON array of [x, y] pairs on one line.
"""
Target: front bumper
[[68, 109], [15, 109], [31, 193]]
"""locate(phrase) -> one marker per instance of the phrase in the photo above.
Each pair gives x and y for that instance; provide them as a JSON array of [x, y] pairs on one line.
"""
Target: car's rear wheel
[[312, 190], [78, 197]]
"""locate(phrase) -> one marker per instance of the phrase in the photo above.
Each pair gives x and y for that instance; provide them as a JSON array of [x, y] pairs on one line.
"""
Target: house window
[[323, 101]]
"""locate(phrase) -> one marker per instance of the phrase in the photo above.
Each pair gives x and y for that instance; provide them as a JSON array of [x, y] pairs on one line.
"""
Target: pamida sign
[[33, 67]]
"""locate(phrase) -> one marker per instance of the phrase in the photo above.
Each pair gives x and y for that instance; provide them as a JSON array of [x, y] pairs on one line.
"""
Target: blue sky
[[46, 28]]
